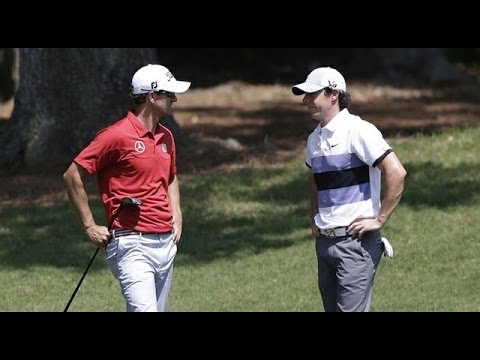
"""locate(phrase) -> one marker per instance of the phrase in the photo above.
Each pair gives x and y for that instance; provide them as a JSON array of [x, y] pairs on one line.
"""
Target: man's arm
[[74, 179], [394, 174], [394, 179], [174, 195], [313, 193]]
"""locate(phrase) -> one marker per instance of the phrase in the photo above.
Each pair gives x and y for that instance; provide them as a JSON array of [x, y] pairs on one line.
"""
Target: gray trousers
[[346, 270]]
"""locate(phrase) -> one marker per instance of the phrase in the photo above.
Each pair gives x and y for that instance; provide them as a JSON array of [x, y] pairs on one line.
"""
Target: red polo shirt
[[131, 161]]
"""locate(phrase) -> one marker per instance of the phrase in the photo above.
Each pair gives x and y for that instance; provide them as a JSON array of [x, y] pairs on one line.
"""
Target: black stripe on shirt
[[343, 178], [380, 159]]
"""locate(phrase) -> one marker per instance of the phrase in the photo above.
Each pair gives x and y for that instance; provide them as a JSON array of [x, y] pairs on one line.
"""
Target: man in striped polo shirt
[[347, 156]]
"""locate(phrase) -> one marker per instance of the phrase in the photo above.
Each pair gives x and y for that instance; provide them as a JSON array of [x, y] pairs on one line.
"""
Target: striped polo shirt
[[343, 157]]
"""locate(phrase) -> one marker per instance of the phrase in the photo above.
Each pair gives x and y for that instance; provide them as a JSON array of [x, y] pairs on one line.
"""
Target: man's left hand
[[362, 225]]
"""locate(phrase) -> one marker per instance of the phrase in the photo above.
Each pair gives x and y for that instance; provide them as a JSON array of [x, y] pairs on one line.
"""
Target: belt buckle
[[330, 233]]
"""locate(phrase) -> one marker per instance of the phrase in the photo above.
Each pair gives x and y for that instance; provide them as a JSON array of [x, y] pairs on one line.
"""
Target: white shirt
[[343, 157]]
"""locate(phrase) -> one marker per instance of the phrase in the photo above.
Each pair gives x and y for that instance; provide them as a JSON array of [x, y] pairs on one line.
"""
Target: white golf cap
[[321, 78], [156, 78]]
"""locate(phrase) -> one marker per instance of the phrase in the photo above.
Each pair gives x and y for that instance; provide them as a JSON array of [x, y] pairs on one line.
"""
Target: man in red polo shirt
[[135, 157]]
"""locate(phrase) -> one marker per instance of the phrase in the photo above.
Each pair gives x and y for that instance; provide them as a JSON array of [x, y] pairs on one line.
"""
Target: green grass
[[246, 242]]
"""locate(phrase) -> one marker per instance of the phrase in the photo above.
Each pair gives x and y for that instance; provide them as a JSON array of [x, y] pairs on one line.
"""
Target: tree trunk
[[65, 96], [8, 73]]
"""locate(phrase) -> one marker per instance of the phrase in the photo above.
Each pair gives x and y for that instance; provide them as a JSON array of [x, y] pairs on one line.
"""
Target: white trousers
[[143, 264]]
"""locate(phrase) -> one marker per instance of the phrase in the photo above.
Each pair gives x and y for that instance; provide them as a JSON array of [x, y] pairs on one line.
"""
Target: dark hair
[[139, 99], [344, 98]]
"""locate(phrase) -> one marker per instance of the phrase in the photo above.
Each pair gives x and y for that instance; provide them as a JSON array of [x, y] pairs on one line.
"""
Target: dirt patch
[[237, 125], [269, 125]]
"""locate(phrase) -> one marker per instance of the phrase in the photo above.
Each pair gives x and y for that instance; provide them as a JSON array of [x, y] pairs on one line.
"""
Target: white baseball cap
[[156, 78], [321, 78]]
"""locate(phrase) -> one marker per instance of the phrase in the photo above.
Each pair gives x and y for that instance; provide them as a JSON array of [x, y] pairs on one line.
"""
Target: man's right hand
[[98, 235]]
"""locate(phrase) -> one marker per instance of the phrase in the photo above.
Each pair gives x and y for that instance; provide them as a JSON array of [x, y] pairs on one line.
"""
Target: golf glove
[[388, 249]]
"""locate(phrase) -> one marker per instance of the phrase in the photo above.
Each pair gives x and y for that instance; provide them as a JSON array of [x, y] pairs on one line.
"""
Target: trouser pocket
[[112, 258]]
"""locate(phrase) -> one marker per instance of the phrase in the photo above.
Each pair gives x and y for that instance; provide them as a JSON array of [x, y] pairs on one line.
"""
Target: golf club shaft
[[81, 280], [91, 261]]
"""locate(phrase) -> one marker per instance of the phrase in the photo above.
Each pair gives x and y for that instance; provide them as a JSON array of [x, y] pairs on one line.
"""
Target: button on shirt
[[343, 157]]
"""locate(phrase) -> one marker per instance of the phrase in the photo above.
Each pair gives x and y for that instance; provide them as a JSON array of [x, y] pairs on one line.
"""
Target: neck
[[329, 117], [148, 119]]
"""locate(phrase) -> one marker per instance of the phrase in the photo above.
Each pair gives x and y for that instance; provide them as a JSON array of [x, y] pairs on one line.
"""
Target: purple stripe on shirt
[[335, 162], [342, 196]]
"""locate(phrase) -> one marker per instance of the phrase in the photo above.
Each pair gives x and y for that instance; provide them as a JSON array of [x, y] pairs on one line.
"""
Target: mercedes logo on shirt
[[139, 147]]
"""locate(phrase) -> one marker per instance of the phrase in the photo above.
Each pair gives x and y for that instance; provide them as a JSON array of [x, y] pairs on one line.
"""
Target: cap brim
[[177, 86], [305, 87]]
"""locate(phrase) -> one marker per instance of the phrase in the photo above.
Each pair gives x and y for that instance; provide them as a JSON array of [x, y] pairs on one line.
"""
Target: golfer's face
[[163, 101], [315, 103]]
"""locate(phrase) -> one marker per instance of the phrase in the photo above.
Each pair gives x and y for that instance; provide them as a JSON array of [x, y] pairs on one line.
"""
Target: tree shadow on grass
[[52, 236], [279, 221], [432, 185], [237, 213]]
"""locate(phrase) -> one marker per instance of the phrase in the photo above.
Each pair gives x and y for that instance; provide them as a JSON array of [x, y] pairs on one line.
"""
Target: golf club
[[126, 201]]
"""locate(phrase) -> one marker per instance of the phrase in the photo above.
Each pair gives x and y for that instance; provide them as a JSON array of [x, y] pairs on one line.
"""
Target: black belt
[[116, 233]]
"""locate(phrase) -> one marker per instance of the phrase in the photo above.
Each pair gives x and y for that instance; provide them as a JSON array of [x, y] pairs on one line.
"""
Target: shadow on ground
[[52, 236]]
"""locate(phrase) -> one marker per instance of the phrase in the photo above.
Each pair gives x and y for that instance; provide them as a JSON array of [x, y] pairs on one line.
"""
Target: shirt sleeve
[[308, 158], [98, 154], [369, 144]]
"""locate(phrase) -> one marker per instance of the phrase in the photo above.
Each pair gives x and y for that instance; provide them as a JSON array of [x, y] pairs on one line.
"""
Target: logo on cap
[[332, 84]]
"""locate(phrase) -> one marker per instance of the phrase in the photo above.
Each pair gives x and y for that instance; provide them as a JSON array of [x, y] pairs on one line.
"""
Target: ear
[[335, 94]]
